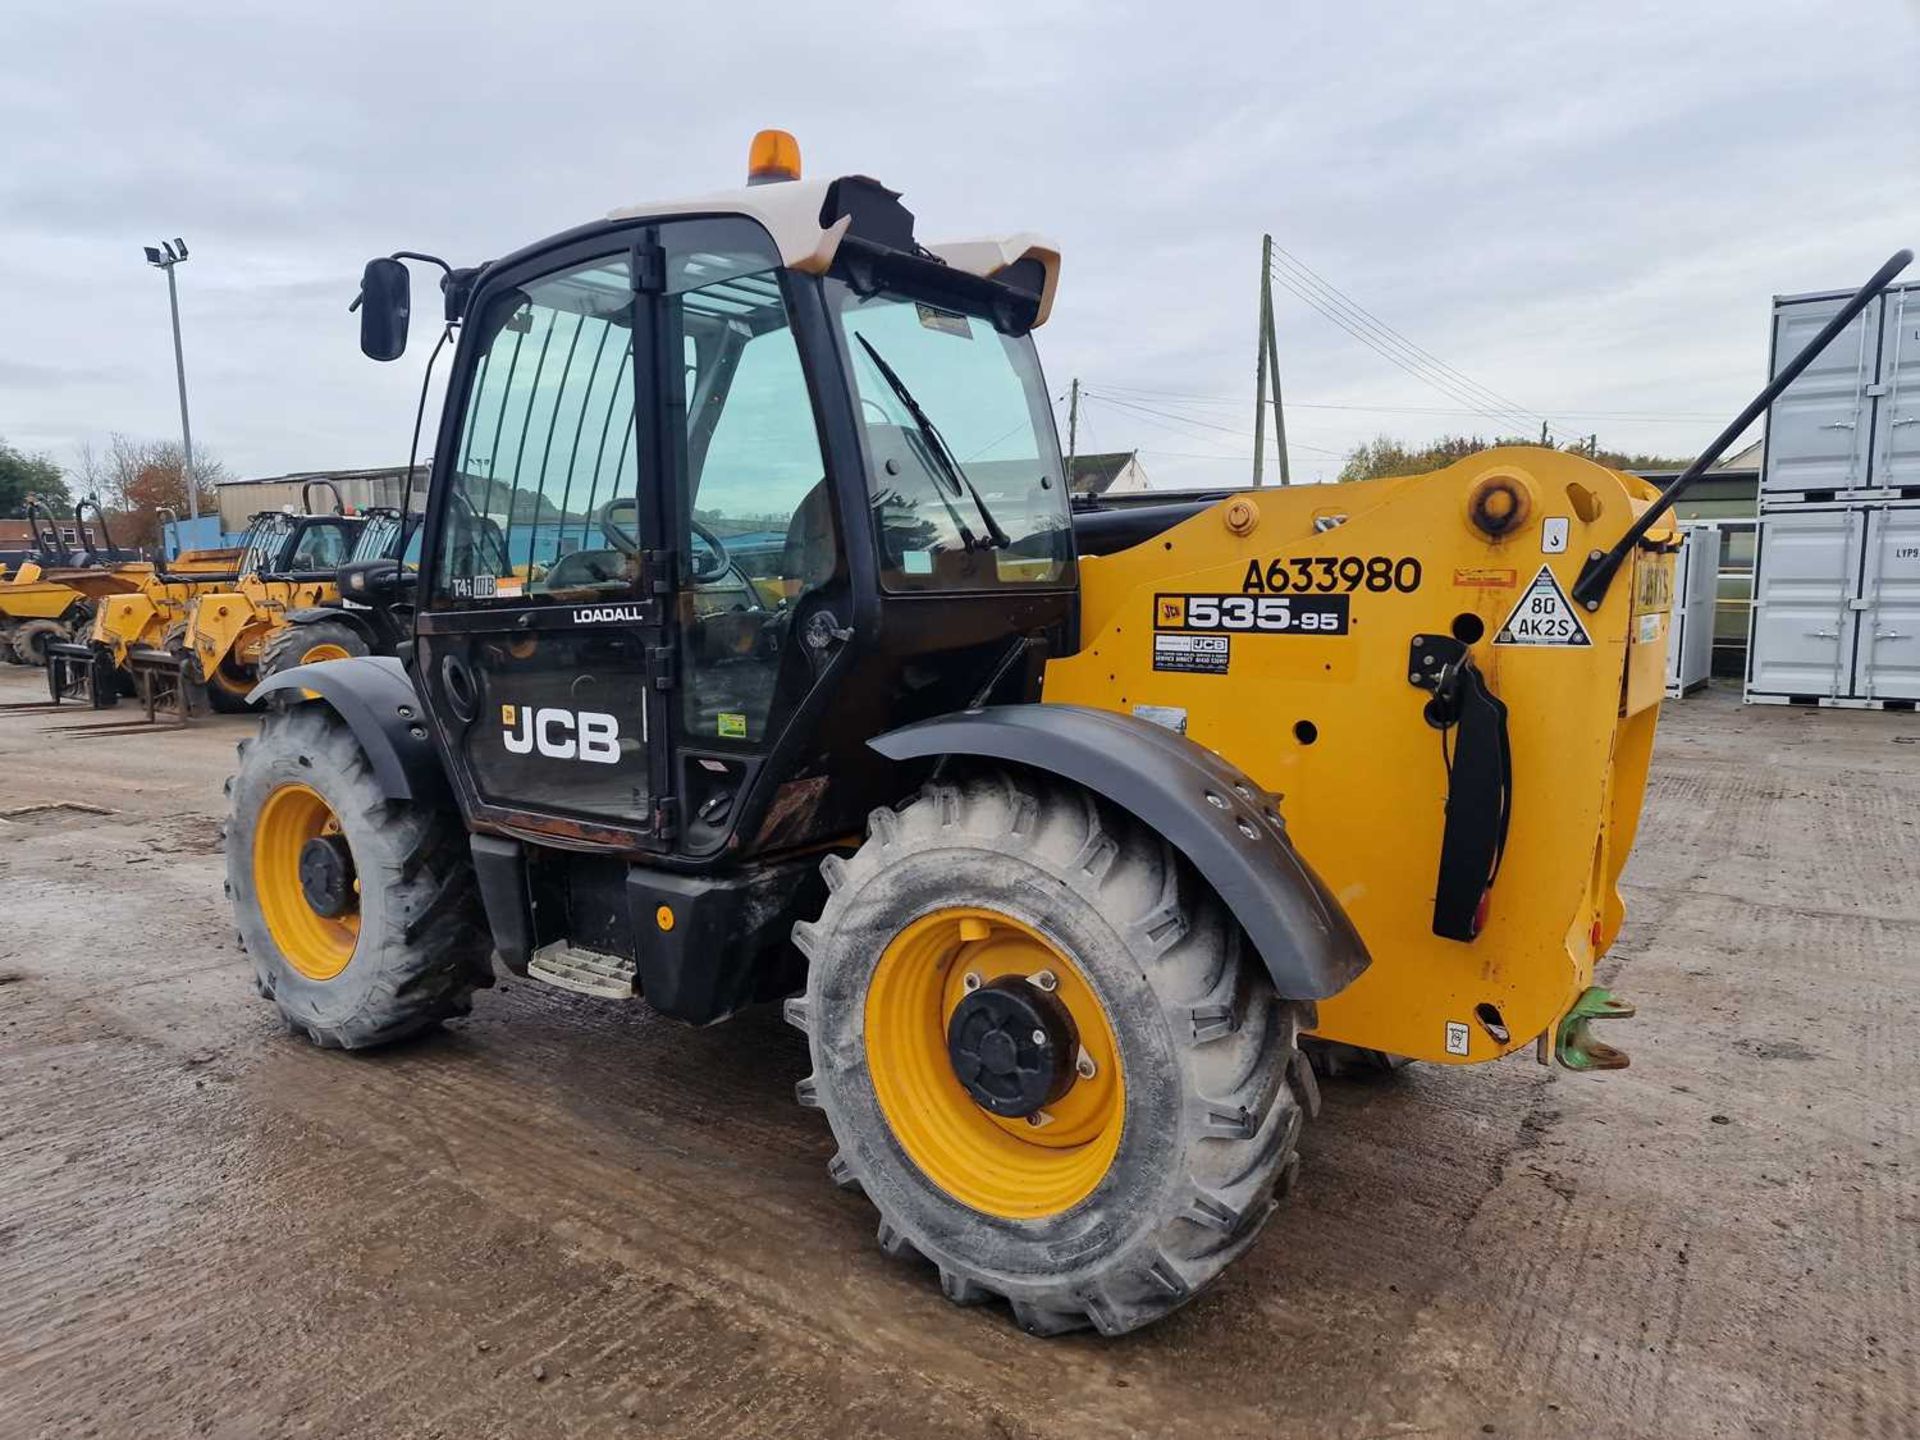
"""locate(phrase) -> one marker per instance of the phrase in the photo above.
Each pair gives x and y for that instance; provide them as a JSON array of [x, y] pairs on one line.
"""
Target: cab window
[[758, 532], [542, 499], [323, 546], [964, 472]]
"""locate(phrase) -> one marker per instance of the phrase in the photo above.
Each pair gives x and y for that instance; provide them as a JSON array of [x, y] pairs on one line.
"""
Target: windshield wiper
[[997, 539]]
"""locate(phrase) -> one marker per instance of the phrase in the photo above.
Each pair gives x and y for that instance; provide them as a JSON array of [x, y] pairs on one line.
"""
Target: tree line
[[1383, 456], [133, 479]]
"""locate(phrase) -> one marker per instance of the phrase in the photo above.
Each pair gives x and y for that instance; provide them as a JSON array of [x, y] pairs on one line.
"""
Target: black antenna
[[1591, 588]]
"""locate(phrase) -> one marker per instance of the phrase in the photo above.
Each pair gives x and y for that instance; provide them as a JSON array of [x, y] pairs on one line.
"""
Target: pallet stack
[[1836, 587]]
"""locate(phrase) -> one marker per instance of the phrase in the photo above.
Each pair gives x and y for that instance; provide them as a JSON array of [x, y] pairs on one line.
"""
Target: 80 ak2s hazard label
[[1252, 614]]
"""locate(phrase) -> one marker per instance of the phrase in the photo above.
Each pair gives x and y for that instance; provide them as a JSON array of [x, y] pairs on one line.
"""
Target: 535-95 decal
[[1254, 614]]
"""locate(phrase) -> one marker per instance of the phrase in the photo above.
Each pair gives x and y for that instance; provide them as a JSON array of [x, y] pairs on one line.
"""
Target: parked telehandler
[[137, 644], [275, 622], [228, 630], [1059, 830]]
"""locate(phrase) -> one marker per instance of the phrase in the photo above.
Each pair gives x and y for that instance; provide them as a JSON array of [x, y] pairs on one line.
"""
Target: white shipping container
[[1696, 579], [1850, 425], [1836, 606]]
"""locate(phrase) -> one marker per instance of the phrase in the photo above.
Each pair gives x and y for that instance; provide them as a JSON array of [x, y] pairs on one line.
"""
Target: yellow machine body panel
[[1277, 627], [142, 618], [95, 583], [30, 593], [229, 628]]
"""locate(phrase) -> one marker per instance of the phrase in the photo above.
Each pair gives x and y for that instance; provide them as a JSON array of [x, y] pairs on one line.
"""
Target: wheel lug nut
[[971, 980], [1084, 1066], [1045, 980], [1039, 1037]]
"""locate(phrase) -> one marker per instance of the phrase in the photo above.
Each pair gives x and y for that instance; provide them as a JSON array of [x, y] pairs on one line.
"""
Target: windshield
[[265, 539], [379, 537], [966, 494]]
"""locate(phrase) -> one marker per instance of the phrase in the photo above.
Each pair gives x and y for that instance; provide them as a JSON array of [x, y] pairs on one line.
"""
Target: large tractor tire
[[361, 915], [31, 637], [1047, 1054], [307, 642]]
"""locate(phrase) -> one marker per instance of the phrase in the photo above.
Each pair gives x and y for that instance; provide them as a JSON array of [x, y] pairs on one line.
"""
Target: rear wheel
[[360, 914], [308, 642], [30, 639], [1047, 1054]]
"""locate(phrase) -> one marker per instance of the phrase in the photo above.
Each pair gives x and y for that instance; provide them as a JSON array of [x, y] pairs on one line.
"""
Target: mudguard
[[373, 694], [1228, 828], [307, 614]]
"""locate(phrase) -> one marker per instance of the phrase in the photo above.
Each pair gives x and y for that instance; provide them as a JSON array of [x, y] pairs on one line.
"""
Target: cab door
[[540, 632]]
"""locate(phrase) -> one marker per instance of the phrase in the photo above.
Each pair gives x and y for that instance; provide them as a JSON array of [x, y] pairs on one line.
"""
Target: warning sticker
[[1544, 616], [1456, 1037], [1192, 654], [1483, 577]]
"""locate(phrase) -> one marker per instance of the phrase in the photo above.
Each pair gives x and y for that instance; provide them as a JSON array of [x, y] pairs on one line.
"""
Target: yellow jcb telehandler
[[274, 620], [138, 643], [1058, 830]]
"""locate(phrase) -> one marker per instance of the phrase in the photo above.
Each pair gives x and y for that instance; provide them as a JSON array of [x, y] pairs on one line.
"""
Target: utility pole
[[165, 256], [1267, 377], [1260, 367], [1073, 429]]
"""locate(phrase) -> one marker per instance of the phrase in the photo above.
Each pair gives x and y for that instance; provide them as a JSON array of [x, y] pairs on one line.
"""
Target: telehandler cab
[[338, 626], [758, 652]]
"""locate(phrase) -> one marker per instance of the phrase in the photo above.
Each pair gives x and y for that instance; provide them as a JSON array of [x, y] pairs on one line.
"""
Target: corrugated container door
[[1889, 665], [1803, 617], [1896, 440], [1817, 431], [1677, 621]]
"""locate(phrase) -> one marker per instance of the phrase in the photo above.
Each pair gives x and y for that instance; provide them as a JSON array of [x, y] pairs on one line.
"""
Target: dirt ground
[[564, 1217]]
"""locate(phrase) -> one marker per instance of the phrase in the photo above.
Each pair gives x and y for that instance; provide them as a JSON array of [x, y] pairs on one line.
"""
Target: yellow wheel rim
[[1005, 1166], [316, 945], [325, 651]]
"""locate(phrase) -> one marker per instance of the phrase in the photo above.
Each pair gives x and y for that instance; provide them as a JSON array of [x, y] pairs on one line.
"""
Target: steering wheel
[[625, 537]]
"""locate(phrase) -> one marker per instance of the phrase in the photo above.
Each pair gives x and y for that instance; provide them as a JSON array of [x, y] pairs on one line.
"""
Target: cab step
[[587, 972]]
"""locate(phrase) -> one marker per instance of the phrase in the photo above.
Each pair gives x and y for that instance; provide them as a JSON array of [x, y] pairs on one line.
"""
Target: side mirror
[[370, 582], [385, 302]]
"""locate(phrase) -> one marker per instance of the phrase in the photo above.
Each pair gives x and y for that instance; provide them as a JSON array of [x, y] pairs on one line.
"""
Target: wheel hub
[[326, 875], [1013, 1046]]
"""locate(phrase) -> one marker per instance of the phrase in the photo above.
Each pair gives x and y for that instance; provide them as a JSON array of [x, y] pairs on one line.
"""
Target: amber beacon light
[[775, 155]]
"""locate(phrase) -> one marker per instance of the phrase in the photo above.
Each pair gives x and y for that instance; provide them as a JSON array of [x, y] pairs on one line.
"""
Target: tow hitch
[[1575, 1048]]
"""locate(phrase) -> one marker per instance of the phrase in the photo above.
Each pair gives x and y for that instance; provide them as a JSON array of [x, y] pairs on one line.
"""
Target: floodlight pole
[[165, 258]]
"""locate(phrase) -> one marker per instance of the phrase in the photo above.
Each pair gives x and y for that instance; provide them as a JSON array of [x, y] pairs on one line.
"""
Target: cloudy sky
[[1582, 206]]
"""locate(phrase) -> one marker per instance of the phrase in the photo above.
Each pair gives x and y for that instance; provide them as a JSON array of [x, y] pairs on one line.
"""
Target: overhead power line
[[1349, 315], [1188, 424], [1197, 398]]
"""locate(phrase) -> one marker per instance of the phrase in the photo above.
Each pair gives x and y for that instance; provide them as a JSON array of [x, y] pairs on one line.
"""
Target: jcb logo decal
[[588, 735], [1173, 612]]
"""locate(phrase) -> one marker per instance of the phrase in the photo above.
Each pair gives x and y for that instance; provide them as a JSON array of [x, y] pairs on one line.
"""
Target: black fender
[[1228, 828], [375, 696], [309, 614]]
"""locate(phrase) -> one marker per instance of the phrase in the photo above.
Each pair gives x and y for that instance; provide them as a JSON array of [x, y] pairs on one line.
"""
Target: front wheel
[[361, 914], [1047, 1054], [30, 639], [308, 642]]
